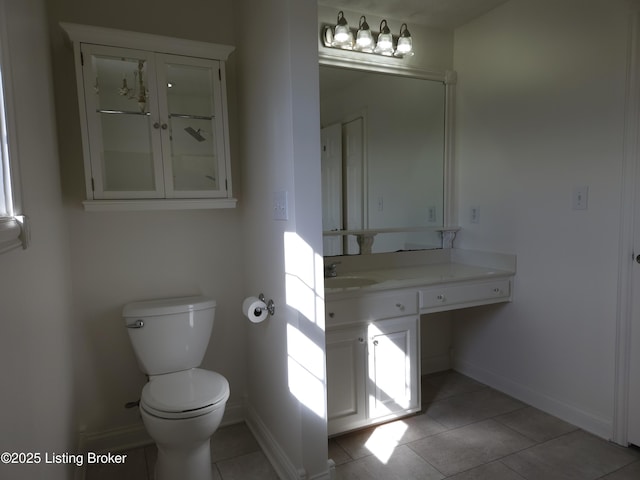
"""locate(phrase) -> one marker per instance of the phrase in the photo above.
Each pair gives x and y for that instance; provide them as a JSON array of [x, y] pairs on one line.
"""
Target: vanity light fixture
[[342, 36]]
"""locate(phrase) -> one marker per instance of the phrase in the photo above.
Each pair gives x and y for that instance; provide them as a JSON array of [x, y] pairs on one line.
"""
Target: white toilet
[[181, 405]]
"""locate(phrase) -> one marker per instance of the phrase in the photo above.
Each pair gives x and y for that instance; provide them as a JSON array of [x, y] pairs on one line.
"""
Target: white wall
[[278, 97], [540, 110], [37, 403], [119, 257]]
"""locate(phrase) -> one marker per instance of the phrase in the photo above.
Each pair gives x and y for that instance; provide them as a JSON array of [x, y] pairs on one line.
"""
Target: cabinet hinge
[[93, 186], [82, 59], [219, 75]]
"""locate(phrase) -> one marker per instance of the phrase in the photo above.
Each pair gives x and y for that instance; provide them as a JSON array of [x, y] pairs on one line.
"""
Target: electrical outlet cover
[[280, 206]]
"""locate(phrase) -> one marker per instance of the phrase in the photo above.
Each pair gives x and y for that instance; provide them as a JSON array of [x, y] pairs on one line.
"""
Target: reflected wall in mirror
[[383, 160]]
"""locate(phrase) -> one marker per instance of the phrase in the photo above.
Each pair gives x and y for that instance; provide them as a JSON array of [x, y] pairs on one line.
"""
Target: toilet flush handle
[[137, 324]]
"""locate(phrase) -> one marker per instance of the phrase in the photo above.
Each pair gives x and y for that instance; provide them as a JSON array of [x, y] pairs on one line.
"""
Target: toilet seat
[[185, 394]]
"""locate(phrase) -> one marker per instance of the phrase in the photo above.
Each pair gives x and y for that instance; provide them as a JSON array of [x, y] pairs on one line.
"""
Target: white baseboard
[[435, 363], [276, 455], [271, 448], [561, 409], [233, 414], [115, 439]]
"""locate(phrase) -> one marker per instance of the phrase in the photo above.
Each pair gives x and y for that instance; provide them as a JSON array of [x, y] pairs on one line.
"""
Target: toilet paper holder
[[271, 306]]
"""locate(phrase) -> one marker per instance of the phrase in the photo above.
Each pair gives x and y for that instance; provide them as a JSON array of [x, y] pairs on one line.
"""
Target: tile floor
[[466, 431], [234, 451]]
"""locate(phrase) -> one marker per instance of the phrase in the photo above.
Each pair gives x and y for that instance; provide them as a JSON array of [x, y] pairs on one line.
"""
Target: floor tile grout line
[[474, 422], [536, 442], [444, 475], [618, 469], [448, 397], [511, 469]]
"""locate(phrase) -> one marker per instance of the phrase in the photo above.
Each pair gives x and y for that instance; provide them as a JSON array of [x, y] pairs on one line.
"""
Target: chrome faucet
[[330, 270]]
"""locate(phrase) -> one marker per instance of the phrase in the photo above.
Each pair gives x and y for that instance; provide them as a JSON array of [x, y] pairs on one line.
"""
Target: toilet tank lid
[[167, 306]]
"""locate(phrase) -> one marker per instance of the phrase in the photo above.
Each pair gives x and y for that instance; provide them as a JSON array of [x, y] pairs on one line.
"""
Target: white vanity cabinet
[[153, 114], [372, 359]]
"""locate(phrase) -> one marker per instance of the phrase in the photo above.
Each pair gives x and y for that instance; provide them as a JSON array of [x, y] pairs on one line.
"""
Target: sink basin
[[348, 281]]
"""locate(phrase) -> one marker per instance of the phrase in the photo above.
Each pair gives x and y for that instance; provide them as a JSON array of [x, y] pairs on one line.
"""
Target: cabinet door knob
[[497, 291], [331, 314], [156, 125], [360, 339], [400, 306], [375, 343], [440, 297], [638, 259], [164, 126]]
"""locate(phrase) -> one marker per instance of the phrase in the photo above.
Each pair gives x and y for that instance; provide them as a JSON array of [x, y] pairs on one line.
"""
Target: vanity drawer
[[371, 307], [447, 297]]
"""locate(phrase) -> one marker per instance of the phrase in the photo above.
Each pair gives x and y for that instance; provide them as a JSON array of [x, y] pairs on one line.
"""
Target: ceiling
[[445, 14]]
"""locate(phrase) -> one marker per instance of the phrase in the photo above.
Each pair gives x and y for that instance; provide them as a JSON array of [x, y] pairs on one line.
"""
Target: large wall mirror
[[385, 159]]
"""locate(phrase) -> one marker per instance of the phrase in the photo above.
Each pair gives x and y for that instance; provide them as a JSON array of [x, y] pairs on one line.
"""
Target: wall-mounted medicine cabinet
[[153, 114]]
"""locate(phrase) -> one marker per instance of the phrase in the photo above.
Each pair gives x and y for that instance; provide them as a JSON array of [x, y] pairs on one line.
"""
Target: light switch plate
[[580, 198]]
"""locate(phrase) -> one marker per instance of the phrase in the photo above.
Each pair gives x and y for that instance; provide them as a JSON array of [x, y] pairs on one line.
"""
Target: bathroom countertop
[[415, 276]]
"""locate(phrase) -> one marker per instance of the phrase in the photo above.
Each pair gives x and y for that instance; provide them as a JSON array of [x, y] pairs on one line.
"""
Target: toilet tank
[[170, 334]]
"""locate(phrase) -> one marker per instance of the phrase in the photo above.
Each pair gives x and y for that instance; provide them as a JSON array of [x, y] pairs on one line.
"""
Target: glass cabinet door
[[195, 144], [123, 123]]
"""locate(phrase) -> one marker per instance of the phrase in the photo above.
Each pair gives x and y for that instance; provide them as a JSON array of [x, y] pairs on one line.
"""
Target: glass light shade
[[364, 37], [342, 36], [405, 43], [385, 40]]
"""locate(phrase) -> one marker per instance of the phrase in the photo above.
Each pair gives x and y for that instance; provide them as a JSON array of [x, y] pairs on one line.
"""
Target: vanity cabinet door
[[346, 374], [393, 383]]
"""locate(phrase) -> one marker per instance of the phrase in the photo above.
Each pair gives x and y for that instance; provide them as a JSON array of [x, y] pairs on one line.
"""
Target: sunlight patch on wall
[[304, 278], [306, 371], [308, 355], [304, 283]]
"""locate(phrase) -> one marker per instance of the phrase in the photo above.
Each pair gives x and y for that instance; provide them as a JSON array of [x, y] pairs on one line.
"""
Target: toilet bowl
[[181, 405]]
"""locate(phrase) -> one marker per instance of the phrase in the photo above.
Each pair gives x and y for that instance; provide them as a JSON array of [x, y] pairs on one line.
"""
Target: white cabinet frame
[[160, 49]]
